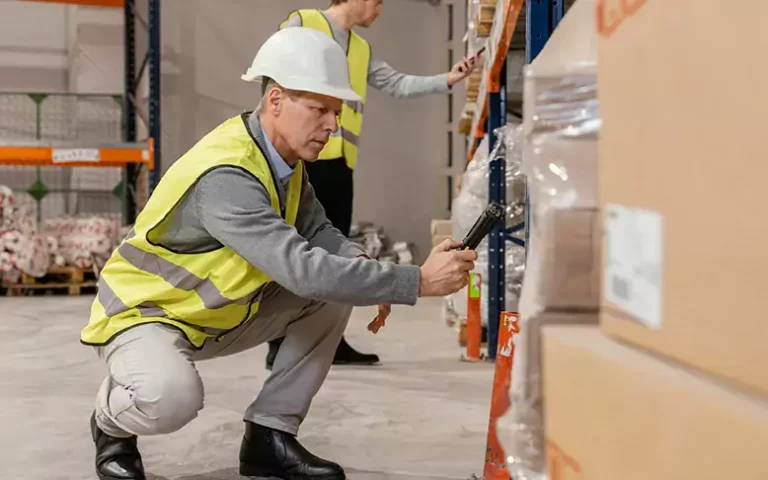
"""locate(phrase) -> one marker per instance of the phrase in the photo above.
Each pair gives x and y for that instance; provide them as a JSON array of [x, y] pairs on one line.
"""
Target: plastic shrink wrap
[[22, 249], [469, 205], [85, 242], [560, 129]]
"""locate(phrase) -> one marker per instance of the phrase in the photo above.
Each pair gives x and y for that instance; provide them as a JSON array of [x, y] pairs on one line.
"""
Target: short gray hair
[[268, 84]]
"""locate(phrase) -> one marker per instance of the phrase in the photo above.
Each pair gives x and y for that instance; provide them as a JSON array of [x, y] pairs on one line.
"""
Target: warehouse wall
[[207, 45], [34, 46]]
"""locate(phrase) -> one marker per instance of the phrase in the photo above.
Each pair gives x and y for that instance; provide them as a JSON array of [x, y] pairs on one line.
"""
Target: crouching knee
[[168, 402]]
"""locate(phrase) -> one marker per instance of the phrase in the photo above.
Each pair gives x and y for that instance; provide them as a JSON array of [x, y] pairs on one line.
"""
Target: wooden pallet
[[70, 279]]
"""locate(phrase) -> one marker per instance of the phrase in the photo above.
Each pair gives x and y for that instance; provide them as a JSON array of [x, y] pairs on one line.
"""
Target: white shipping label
[[68, 155], [634, 262]]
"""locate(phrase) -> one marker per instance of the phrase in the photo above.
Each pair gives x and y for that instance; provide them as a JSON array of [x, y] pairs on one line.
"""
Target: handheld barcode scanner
[[492, 214], [482, 227]]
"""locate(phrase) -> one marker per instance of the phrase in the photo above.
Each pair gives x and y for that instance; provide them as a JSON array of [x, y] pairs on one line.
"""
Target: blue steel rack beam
[[129, 110], [497, 117], [132, 80], [153, 55], [542, 18]]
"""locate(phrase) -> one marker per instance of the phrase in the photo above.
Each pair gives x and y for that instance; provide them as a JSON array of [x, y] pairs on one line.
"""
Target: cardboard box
[[614, 412], [682, 175], [441, 227], [440, 230], [524, 436], [570, 260]]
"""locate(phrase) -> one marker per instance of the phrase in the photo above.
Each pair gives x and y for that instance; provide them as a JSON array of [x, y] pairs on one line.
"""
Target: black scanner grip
[[483, 226]]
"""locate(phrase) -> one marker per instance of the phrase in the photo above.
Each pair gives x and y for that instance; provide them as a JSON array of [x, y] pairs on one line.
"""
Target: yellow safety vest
[[205, 295], [345, 142]]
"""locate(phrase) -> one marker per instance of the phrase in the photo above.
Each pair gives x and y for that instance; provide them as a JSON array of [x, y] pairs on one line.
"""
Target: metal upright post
[[129, 110], [154, 89], [497, 117]]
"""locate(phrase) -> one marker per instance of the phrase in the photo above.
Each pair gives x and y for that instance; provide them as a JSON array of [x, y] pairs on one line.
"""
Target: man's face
[[305, 121], [367, 11]]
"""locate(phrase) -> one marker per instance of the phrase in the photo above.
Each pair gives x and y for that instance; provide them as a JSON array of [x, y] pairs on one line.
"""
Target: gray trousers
[[154, 388]]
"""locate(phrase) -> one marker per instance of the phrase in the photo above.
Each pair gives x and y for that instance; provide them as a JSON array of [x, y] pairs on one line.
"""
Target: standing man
[[332, 175], [233, 250]]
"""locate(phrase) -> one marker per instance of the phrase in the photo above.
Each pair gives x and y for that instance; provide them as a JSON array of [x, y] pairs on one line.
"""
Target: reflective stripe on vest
[[346, 141], [207, 294]]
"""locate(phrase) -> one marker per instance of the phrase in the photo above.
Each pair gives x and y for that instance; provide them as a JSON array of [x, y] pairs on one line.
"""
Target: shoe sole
[[326, 477], [361, 364], [107, 477]]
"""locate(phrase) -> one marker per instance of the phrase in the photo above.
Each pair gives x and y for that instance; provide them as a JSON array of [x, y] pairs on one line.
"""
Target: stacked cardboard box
[[485, 12], [440, 230], [561, 283], [673, 384], [616, 412]]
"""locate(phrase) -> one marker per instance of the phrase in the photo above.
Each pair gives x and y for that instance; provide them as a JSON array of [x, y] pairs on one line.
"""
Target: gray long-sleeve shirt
[[313, 260], [381, 75]]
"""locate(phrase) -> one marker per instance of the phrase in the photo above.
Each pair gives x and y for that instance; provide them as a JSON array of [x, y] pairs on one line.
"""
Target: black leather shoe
[[346, 355], [268, 453], [116, 458]]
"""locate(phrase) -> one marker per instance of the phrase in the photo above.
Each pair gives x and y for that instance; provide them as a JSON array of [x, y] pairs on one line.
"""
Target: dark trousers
[[332, 181]]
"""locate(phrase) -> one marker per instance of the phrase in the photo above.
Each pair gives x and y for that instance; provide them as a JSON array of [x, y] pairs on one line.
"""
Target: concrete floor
[[420, 415]]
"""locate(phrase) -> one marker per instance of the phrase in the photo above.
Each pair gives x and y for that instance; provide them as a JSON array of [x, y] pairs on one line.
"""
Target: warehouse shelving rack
[[130, 154], [542, 17]]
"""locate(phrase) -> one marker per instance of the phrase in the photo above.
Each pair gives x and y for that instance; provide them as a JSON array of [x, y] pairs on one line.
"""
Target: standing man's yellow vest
[[205, 294], [345, 142]]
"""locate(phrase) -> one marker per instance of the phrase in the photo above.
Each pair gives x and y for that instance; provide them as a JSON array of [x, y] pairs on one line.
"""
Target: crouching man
[[233, 250]]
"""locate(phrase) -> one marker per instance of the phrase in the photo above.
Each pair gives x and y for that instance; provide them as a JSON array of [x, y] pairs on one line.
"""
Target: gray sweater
[[381, 75], [313, 260]]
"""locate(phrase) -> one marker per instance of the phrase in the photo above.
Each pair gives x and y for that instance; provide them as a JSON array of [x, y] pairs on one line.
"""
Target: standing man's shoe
[[116, 458], [345, 354], [267, 453]]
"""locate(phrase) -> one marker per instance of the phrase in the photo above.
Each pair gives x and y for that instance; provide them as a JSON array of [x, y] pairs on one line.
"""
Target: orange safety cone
[[495, 458]]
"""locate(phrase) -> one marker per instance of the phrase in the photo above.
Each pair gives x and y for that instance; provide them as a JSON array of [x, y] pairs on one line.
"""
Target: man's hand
[[384, 310], [446, 270], [461, 70]]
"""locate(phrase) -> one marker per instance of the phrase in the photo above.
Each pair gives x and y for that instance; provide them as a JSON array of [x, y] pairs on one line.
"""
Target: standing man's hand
[[461, 70], [446, 270]]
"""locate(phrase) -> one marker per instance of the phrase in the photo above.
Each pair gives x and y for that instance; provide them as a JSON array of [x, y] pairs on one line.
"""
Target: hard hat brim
[[345, 94]]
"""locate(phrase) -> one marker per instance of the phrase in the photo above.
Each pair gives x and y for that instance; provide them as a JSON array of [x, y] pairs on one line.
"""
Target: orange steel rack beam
[[498, 51], [76, 155]]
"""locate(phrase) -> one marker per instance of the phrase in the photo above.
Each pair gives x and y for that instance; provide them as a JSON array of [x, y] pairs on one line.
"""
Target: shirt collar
[[282, 169]]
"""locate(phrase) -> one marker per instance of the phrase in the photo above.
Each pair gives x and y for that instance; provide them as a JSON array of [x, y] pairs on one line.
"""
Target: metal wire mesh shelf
[[43, 136]]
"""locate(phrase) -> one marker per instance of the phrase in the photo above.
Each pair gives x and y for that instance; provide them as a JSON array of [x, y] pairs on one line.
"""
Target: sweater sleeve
[[383, 77], [235, 208]]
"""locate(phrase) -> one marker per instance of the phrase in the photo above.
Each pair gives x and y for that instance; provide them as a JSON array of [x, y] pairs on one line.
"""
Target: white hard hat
[[304, 59]]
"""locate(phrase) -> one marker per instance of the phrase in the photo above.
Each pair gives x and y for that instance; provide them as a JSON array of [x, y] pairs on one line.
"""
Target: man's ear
[[275, 98]]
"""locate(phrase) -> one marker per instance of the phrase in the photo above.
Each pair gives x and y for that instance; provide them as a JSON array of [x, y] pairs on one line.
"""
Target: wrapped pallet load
[[561, 286], [469, 205]]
